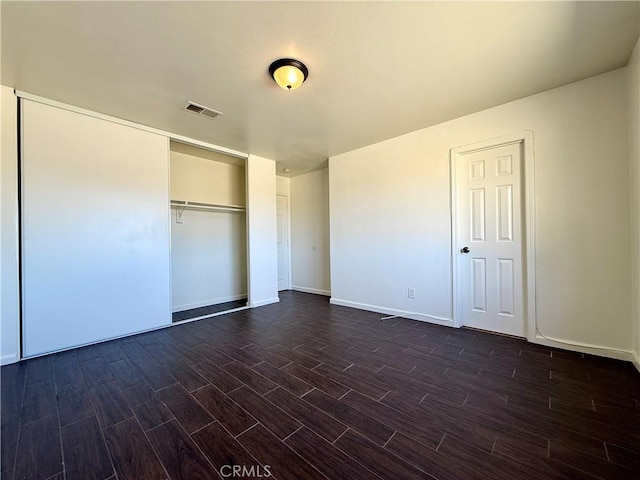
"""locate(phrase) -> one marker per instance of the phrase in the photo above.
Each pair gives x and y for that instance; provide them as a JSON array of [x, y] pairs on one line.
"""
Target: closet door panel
[[96, 257]]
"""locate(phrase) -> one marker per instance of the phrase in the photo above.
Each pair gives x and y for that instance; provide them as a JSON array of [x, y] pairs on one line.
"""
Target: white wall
[[208, 248], [208, 258], [390, 214], [283, 186], [9, 297], [310, 232], [261, 224], [96, 261], [634, 170], [200, 175]]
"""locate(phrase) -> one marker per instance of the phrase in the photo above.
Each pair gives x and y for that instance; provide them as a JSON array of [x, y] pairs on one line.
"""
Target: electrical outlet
[[411, 293]]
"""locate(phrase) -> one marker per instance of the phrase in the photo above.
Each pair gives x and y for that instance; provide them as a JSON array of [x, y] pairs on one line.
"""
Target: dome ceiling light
[[288, 73]]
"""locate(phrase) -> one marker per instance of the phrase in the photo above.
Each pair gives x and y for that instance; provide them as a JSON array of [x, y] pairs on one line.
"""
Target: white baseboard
[[635, 358], [261, 303], [421, 317], [206, 303], [591, 350], [9, 358], [316, 291]]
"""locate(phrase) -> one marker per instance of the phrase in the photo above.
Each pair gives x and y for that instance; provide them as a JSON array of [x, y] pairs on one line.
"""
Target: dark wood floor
[[208, 310], [306, 390]]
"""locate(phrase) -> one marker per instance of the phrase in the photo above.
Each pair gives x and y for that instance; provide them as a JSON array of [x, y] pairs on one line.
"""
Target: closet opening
[[208, 232]]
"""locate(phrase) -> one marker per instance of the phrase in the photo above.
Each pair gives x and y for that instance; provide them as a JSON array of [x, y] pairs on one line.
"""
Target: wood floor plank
[[68, 370], [591, 464], [135, 352], [157, 376], [481, 461], [272, 417], [132, 454], [125, 373], [451, 419], [110, 405], [381, 461], [111, 351], [8, 446], [371, 428], [40, 369], [428, 460], [39, 454], [85, 454], [249, 377], [289, 382], [239, 355], [624, 456], [406, 381], [294, 356], [180, 456], [333, 463], [273, 358], [139, 393], [352, 381], [321, 357], [320, 422], [152, 413], [74, 403], [390, 382], [233, 417], [96, 370], [184, 408], [39, 401], [189, 378], [317, 380], [284, 463], [222, 449], [211, 354], [430, 433], [87, 353], [532, 452], [217, 376]]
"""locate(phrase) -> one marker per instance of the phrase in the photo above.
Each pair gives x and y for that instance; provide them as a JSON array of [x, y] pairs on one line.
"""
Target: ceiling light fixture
[[288, 73]]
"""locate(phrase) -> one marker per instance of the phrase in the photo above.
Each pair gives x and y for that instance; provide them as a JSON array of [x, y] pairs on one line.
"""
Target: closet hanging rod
[[207, 206]]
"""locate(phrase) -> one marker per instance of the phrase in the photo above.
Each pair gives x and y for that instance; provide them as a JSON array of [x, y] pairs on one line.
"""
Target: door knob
[[465, 250]]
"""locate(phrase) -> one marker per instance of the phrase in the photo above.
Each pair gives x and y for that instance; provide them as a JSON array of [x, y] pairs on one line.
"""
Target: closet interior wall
[[208, 232]]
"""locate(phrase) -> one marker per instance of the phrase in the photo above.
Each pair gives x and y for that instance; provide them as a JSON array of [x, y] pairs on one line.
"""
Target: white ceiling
[[377, 69]]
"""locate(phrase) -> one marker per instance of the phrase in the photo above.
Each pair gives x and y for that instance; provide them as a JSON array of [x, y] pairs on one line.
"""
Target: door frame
[[524, 137]]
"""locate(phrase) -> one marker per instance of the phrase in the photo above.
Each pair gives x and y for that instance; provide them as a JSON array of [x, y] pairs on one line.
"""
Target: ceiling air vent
[[202, 110]]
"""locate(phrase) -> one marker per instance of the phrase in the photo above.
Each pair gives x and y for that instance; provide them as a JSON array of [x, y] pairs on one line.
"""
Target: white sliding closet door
[[95, 223]]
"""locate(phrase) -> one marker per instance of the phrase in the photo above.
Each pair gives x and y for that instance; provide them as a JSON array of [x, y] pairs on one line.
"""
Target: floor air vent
[[202, 110]]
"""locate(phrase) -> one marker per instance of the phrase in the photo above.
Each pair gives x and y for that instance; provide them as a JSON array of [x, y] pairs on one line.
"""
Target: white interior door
[[490, 239], [282, 209]]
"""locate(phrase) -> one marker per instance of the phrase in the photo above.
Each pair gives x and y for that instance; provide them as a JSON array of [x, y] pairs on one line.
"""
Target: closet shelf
[[206, 206]]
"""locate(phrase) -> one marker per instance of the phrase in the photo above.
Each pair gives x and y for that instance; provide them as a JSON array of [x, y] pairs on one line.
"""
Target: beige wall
[[310, 232], [634, 170], [390, 214]]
